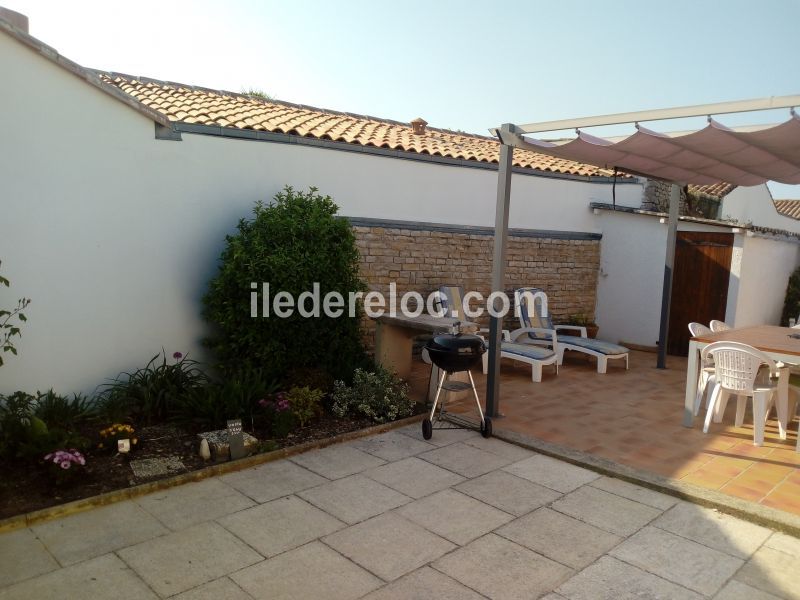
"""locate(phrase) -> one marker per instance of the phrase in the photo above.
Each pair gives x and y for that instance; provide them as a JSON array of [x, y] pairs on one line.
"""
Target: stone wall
[[656, 197], [423, 258]]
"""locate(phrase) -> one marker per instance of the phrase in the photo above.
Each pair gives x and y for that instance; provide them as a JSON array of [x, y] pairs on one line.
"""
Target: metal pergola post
[[669, 264], [499, 272]]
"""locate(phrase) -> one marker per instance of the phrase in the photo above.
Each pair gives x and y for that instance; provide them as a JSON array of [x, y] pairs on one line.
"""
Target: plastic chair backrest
[[533, 311], [736, 365], [452, 301], [698, 329], [719, 326]]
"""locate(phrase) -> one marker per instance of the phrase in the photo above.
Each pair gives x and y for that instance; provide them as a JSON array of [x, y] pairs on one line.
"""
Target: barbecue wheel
[[427, 429], [486, 427]]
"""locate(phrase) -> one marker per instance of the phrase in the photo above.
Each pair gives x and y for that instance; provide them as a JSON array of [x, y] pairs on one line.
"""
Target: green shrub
[[305, 403], [380, 396], [791, 305], [9, 328], [149, 394], [312, 377], [290, 244], [57, 410]]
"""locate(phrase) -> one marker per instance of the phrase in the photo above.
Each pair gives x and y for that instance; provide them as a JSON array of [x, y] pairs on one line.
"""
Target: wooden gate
[[699, 284]]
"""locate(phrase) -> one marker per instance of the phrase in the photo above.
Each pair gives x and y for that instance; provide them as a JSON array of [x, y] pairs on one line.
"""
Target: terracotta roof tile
[[788, 208], [719, 190], [181, 103]]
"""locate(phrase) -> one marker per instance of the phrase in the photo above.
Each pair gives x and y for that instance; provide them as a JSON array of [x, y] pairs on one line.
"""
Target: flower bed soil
[[25, 487]]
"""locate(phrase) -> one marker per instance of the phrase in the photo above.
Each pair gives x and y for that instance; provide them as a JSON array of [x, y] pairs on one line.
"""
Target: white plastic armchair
[[706, 379], [719, 326], [550, 335], [736, 367]]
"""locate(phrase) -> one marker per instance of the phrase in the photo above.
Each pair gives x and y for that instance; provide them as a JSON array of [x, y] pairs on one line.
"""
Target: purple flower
[[177, 355]]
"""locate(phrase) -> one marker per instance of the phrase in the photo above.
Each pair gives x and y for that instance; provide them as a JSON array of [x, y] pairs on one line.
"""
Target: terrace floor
[[634, 418]]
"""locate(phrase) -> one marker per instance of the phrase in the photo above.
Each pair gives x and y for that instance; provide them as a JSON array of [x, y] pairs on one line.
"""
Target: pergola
[[743, 156]]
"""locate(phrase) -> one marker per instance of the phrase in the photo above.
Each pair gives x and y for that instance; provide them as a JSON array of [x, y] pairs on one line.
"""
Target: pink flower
[[65, 464]]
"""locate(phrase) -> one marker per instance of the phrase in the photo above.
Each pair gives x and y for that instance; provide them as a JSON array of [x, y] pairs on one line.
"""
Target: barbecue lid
[[460, 342]]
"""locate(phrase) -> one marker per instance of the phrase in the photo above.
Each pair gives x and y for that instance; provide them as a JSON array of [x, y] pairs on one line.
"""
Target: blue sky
[[460, 65]]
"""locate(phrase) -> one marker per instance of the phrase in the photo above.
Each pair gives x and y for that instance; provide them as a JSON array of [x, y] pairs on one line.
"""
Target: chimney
[[418, 126], [18, 20]]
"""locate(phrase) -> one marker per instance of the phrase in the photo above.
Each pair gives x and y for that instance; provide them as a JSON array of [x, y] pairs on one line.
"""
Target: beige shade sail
[[747, 156]]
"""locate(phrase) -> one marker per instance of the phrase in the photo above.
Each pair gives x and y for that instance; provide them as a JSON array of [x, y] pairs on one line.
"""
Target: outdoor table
[[394, 336], [773, 341]]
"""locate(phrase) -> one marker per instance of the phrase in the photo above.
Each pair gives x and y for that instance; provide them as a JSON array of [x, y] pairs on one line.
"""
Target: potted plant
[[583, 320]]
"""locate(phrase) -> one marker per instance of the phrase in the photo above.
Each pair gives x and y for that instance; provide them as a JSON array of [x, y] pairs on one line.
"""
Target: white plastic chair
[[707, 372], [719, 326], [736, 367]]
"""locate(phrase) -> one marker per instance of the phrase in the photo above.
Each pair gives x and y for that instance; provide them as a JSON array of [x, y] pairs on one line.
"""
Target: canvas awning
[[740, 156]]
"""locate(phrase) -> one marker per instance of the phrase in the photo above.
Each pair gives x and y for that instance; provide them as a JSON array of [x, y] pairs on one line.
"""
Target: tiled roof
[[788, 208], [719, 190], [188, 104]]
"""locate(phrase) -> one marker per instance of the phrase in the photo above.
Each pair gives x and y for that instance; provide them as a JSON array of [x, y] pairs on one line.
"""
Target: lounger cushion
[[527, 350], [591, 344]]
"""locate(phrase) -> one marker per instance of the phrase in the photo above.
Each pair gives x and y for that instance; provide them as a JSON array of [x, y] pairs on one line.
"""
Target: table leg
[[691, 383]]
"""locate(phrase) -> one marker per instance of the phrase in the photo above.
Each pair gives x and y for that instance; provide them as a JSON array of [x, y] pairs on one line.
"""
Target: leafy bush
[[380, 396], [9, 329], [279, 414], [290, 244], [305, 403], [791, 305], [55, 409], [149, 394], [315, 378]]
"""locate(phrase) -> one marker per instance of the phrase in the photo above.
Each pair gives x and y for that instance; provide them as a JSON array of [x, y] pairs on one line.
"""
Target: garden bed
[[25, 489]]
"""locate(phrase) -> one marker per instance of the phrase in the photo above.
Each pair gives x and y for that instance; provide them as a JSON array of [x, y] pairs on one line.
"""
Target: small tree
[[291, 244], [9, 328], [791, 305]]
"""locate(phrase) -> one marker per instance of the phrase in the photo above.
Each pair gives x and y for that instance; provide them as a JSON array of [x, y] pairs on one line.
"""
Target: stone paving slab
[[414, 477], [495, 446], [736, 590], [188, 558], [392, 446], [441, 437], [99, 578], [388, 545], [508, 492], [772, 571], [679, 560], [219, 589], [355, 498], [635, 492], [466, 460], [499, 569], [579, 544], [96, 532], [273, 480], [551, 473], [311, 571], [606, 511], [424, 584], [335, 462], [193, 503], [22, 556], [280, 525]]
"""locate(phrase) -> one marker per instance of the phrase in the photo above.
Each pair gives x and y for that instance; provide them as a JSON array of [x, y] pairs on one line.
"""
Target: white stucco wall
[[115, 235], [754, 205], [766, 265]]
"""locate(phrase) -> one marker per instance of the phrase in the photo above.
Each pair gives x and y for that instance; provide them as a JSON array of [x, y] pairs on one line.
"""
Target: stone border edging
[[83, 504]]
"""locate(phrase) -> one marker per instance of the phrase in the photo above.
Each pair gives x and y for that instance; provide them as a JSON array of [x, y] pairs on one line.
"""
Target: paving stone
[[736, 590], [455, 516], [414, 477], [337, 461], [354, 498], [146, 468], [100, 578], [219, 589], [311, 571], [392, 446], [186, 505], [612, 579], [551, 473], [785, 543], [498, 569], [508, 492], [635, 492], [499, 447], [388, 545], [564, 539], [273, 480], [714, 529], [188, 558], [97, 531], [23, 556], [772, 571], [424, 584], [606, 511], [679, 560], [441, 437], [280, 525], [465, 460], [553, 596]]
